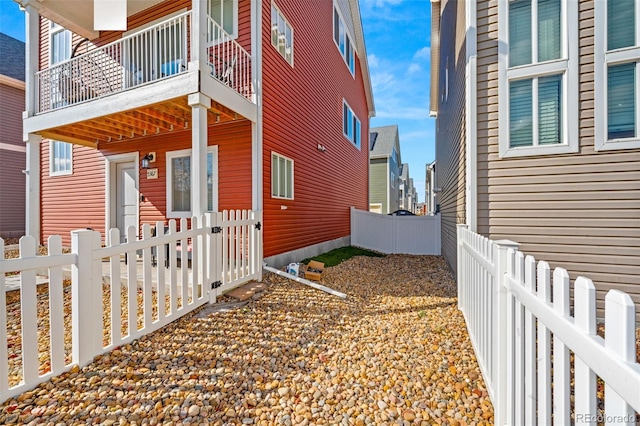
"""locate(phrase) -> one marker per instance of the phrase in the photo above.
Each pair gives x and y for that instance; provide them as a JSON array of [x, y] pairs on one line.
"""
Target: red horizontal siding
[[303, 108], [13, 160], [78, 200], [72, 201]]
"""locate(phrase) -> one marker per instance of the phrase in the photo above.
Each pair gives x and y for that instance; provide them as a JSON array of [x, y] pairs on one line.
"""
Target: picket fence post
[[86, 297], [500, 322], [461, 272]]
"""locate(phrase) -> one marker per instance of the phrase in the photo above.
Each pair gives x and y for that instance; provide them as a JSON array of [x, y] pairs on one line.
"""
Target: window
[[225, 14], [393, 180], [538, 77], [350, 125], [179, 182], [281, 34], [60, 48], [61, 154], [343, 42], [617, 58], [281, 177]]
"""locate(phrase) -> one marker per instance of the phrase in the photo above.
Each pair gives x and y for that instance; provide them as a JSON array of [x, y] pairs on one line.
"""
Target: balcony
[[155, 64]]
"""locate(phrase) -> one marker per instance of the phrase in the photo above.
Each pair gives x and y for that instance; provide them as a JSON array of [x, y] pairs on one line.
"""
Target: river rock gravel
[[394, 352]]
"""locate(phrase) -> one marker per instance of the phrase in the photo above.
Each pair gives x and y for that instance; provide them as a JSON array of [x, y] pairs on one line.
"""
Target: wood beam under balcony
[[159, 118]]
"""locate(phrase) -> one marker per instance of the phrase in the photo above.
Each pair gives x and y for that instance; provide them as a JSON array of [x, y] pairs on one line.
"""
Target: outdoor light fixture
[[146, 160]]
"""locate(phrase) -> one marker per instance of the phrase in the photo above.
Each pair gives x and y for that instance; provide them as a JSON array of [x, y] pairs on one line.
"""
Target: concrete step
[[246, 291]]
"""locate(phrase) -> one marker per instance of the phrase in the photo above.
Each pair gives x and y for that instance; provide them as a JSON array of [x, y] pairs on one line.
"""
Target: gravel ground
[[396, 351]]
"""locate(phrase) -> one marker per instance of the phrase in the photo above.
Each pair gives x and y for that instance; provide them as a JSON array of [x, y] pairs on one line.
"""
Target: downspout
[[257, 189], [471, 114]]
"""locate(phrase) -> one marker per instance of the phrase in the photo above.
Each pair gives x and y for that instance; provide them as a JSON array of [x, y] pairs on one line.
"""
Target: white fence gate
[[521, 325], [395, 234], [112, 302]]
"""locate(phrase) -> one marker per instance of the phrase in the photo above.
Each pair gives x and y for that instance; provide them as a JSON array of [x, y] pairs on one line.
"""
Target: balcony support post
[[199, 106], [32, 218], [32, 59], [198, 34]]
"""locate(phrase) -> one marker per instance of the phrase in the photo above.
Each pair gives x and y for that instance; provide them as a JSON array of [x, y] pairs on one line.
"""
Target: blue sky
[[397, 34], [398, 38]]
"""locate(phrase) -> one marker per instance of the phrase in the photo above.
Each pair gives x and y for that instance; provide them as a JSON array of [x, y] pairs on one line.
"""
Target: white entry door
[[126, 198]]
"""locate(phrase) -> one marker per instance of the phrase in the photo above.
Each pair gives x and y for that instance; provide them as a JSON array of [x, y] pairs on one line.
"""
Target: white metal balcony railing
[[151, 55], [228, 61]]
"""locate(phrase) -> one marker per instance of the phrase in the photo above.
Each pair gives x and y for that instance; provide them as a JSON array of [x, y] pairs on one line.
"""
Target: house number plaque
[[152, 173]]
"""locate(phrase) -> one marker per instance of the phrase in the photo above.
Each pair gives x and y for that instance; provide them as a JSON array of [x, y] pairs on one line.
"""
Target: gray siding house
[[384, 169], [538, 132], [12, 149]]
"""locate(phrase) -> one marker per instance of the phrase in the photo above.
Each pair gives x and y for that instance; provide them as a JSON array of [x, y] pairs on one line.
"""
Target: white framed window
[[60, 44], [351, 127], [281, 176], [393, 180], [179, 182], [61, 158], [59, 51], [225, 14], [281, 34], [538, 78], [617, 74], [343, 41]]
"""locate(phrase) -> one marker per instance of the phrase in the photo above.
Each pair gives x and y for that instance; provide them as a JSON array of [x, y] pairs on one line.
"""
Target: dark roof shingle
[[12, 57]]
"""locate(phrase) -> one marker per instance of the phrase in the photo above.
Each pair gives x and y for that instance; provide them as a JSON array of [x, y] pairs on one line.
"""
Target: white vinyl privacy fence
[[395, 234], [531, 338], [108, 302]]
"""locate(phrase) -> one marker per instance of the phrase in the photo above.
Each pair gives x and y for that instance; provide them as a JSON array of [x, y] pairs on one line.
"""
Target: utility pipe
[[304, 281]]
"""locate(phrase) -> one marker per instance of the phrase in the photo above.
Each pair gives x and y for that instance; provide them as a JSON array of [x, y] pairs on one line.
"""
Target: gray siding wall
[[450, 126], [378, 182], [394, 189], [579, 211], [12, 162]]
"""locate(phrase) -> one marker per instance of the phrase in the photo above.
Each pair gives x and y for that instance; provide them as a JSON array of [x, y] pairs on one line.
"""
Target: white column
[[256, 128], [199, 106], [32, 184], [32, 48], [198, 33]]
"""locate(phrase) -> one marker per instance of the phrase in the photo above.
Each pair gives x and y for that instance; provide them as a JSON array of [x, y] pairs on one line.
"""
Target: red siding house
[[199, 106], [12, 149]]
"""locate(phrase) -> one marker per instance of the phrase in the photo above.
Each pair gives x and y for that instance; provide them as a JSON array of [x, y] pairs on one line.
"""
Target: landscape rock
[[395, 351]]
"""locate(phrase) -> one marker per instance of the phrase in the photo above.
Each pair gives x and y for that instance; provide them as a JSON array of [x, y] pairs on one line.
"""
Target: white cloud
[[414, 68], [373, 61], [382, 81], [381, 3], [424, 53]]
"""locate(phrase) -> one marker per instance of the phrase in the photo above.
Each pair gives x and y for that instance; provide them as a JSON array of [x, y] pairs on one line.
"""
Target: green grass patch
[[339, 255]]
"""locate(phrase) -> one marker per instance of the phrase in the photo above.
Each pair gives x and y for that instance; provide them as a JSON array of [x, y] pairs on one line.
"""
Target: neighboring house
[[219, 97], [407, 191], [12, 148], [384, 169], [538, 132], [430, 192]]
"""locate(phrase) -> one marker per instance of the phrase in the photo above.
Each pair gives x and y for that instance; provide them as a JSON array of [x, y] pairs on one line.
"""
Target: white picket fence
[[524, 333], [113, 302], [395, 234]]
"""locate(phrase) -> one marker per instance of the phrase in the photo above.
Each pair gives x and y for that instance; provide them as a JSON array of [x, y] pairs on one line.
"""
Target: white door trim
[[110, 188]]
